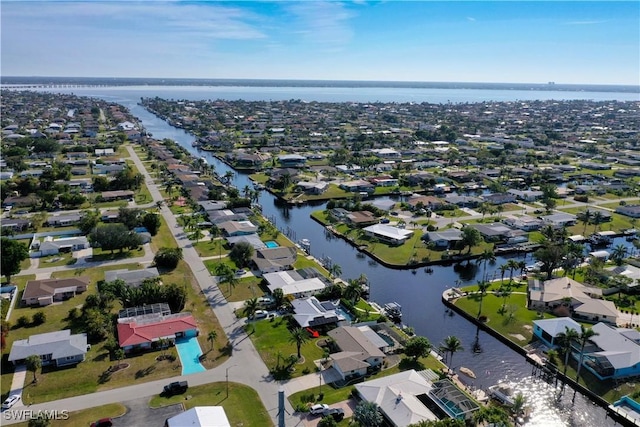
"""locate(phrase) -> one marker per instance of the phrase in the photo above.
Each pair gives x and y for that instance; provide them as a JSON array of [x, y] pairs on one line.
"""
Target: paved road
[[245, 366]]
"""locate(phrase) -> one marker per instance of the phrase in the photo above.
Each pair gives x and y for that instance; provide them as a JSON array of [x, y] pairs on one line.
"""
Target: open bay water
[[419, 294]]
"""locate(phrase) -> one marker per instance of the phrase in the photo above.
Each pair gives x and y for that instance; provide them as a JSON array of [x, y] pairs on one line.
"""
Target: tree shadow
[[141, 373], [408, 363]]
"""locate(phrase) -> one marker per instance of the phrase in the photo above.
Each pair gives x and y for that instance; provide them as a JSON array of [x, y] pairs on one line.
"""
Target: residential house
[[295, 284], [59, 348], [582, 302], [358, 353], [309, 312], [51, 246], [109, 196], [15, 224], [252, 239], [63, 220], [314, 188], [47, 291], [523, 222], [613, 353], [238, 228], [445, 239], [141, 333], [133, 278], [270, 260], [200, 416], [426, 202], [388, 234], [547, 330], [632, 211], [357, 186], [292, 161], [559, 219], [361, 218], [499, 198], [526, 195], [499, 232]]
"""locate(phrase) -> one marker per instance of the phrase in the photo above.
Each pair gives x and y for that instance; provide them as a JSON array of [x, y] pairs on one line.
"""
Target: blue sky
[[509, 41]]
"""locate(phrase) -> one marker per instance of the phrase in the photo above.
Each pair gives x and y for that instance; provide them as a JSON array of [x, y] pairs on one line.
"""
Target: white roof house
[[396, 396], [616, 353], [309, 312], [548, 329], [292, 283], [388, 233], [200, 416]]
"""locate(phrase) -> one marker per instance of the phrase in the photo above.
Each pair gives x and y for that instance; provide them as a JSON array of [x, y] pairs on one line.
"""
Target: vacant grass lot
[[272, 340], [242, 406], [207, 248]]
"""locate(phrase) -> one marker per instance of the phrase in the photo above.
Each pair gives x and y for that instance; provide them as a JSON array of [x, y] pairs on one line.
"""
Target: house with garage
[[294, 284], [238, 228], [360, 351], [142, 333], [310, 312], [388, 234], [47, 291], [63, 220], [559, 219], [270, 260], [51, 246], [59, 348], [292, 161]]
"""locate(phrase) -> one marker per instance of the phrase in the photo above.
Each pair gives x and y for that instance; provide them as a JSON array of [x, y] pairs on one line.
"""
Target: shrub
[[22, 322], [39, 318], [73, 314], [168, 257]]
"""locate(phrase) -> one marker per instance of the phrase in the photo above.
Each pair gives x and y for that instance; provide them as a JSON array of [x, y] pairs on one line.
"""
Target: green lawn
[[56, 260], [247, 287], [242, 404], [271, 338], [87, 416], [164, 238], [209, 248]]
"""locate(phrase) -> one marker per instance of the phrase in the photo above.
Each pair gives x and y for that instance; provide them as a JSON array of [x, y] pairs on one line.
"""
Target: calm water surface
[[419, 294]]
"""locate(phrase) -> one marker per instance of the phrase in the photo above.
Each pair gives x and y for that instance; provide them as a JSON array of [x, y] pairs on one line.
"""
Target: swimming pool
[[271, 244], [189, 351], [341, 310]]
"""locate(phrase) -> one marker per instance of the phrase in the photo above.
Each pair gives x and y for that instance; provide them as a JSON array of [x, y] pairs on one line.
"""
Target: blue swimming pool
[[189, 351], [271, 244]]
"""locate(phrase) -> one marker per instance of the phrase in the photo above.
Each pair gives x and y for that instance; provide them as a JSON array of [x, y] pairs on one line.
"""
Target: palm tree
[[246, 191], [618, 254], [518, 406], [298, 337], [211, 337], [565, 340], [482, 288], [228, 176], [451, 345], [597, 220], [503, 271], [585, 219], [159, 204], [226, 275], [250, 307], [33, 363], [506, 292], [353, 291], [513, 265], [470, 237], [335, 270], [585, 335], [487, 256]]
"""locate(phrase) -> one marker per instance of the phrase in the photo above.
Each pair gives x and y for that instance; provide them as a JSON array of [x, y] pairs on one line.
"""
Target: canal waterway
[[419, 294]]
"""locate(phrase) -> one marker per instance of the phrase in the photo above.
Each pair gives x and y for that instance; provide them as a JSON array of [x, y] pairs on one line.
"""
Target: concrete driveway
[[347, 406], [139, 414]]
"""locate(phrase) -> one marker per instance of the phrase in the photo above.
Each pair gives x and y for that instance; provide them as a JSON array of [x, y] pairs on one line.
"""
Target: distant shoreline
[[122, 81]]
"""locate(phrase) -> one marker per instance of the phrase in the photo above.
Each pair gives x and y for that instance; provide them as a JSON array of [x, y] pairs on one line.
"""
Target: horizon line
[[545, 84]]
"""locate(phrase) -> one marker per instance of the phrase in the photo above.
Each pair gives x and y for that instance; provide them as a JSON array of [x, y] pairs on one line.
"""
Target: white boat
[[468, 372], [393, 310], [502, 392]]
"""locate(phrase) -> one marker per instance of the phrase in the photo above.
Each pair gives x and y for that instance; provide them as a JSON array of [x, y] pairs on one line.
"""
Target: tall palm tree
[[598, 218], [503, 271], [250, 307], [585, 335], [487, 256], [211, 337], [226, 275], [482, 288], [298, 337], [353, 291], [451, 345], [565, 339], [513, 265], [618, 254], [335, 270], [585, 219]]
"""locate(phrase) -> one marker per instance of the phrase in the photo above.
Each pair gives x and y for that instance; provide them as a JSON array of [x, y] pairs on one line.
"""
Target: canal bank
[[539, 366]]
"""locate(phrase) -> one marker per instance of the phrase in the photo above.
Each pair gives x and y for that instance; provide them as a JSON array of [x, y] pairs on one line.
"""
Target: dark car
[[103, 422], [336, 413], [177, 387]]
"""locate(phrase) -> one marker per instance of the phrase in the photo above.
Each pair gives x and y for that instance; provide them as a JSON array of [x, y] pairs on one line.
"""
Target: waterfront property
[[581, 302], [270, 260], [294, 284], [309, 312], [47, 291], [58, 348], [388, 233], [613, 353], [547, 330]]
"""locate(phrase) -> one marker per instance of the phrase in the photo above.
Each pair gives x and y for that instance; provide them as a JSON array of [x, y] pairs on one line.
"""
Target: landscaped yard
[[242, 404], [56, 260], [272, 340]]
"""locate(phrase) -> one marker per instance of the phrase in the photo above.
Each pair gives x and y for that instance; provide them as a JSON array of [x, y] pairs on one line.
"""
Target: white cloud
[[322, 22]]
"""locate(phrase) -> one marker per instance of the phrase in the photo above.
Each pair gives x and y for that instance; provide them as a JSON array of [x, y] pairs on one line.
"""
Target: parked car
[[384, 221], [336, 413], [103, 422], [240, 272], [177, 387], [11, 400], [260, 314], [318, 408]]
